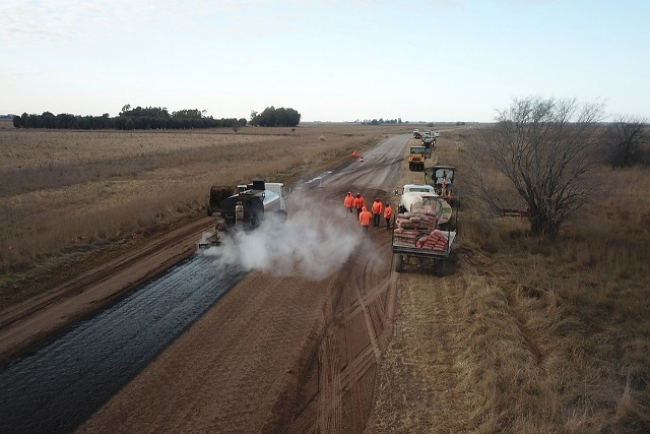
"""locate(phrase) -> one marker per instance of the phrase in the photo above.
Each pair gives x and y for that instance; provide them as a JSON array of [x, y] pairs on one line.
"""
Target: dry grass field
[[526, 335], [523, 335], [66, 196]]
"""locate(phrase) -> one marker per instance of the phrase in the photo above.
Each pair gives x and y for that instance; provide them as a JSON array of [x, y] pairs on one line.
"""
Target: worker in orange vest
[[388, 213], [376, 212], [348, 202], [364, 218], [359, 203]]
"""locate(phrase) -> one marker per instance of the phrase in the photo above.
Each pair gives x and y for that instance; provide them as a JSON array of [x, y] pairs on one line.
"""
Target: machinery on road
[[417, 155], [243, 207], [428, 143], [418, 234], [436, 176], [420, 196]]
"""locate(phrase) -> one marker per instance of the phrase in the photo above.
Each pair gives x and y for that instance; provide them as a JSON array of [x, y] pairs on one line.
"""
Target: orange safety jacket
[[377, 207], [348, 202], [365, 217], [359, 202], [388, 213]]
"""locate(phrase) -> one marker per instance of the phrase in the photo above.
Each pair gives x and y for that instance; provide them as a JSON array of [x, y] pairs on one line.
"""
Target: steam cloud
[[314, 242]]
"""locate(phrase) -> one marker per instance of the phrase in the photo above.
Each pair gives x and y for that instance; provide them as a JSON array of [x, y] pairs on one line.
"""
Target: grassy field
[[527, 335], [523, 335], [68, 195]]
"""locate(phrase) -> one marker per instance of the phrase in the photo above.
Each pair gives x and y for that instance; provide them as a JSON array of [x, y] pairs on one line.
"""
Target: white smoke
[[314, 242]]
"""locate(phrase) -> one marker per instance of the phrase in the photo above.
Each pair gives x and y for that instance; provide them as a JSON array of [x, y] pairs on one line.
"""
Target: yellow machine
[[417, 156]]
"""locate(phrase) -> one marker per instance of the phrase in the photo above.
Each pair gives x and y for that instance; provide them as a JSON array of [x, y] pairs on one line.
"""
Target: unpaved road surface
[[275, 354]]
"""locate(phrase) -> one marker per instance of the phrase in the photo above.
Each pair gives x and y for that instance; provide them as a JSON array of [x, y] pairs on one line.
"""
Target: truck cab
[[419, 196], [417, 155]]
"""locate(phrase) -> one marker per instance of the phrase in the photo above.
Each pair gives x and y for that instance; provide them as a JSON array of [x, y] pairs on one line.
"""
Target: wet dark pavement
[[58, 386]]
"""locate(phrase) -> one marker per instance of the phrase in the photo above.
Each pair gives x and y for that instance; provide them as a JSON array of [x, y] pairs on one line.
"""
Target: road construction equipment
[[417, 155], [417, 234], [243, 207], [436, 176]]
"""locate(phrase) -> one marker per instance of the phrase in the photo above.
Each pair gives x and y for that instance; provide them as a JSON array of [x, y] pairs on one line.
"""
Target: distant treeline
[[272, 117], [129, 119]]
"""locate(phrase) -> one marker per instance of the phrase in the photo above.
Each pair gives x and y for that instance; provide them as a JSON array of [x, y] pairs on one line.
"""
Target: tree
[[545, 149], [625, 140], [272, 117]]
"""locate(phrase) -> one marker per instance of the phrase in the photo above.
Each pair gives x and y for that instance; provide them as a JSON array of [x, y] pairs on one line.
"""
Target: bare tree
[[625, 141], [545, 149]]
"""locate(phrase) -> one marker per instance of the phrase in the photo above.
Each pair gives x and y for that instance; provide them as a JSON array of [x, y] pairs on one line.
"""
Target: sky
[[331, 60]]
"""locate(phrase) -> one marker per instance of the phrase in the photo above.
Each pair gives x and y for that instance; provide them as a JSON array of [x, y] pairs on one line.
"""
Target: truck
[[428, 143], [419, 196], [417, 155], [418, 234], [243, 207], [434, 177]]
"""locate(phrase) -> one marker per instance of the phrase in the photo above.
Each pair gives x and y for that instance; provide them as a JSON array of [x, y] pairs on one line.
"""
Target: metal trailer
[[404, 252]]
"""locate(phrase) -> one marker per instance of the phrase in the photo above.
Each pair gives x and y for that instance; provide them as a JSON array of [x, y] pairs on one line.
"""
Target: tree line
[[272, 117], [137, 118]]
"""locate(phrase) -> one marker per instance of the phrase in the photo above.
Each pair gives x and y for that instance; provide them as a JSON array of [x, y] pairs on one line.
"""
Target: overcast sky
[[332, 60]]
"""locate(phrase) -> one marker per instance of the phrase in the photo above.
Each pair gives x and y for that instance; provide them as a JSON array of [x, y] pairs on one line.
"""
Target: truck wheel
[[399, 263], [440, 268]]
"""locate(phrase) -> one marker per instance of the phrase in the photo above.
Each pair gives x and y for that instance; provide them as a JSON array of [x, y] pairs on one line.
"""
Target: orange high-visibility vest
[[365, 217], [348, 202], [388, 213], [376, 207], [359, 202]]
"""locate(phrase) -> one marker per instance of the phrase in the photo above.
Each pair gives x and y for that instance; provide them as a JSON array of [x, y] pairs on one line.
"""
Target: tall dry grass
[[64, 194], [562, 326], [529, 335]]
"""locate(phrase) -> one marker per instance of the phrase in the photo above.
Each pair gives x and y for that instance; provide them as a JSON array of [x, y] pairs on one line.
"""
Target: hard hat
[[387, 203], [349, 192], [358, 194]]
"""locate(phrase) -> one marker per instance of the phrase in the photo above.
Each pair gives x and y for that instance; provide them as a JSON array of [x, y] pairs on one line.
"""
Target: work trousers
[[376, 219]]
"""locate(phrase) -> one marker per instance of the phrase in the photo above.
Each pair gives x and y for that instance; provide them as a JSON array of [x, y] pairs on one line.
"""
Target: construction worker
[[364, 218], [376, 212], [388, 213], [359, 203], [348, 202]]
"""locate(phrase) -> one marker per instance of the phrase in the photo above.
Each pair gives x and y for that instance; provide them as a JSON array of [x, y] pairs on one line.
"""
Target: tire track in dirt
[[278, 354]]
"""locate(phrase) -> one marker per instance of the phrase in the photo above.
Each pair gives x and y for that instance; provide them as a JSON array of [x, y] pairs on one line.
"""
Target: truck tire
[[399, 263], [440, 268]]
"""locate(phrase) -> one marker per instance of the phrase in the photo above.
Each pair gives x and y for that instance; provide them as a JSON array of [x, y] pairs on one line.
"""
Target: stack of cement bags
[[436, 240], [410, 227]]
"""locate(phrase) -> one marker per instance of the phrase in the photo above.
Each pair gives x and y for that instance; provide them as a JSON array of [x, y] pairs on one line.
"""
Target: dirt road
[[276, 354]]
